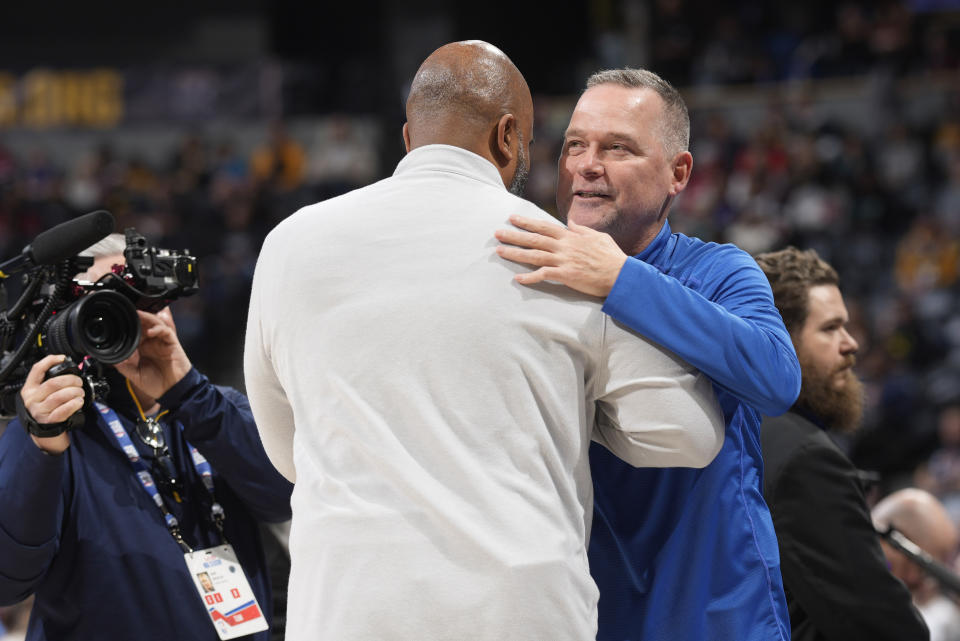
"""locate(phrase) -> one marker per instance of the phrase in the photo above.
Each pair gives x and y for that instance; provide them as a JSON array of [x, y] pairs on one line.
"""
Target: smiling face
[[614, 174]]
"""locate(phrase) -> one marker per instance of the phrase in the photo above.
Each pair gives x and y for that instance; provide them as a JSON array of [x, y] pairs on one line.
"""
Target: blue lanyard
[[146, 479]]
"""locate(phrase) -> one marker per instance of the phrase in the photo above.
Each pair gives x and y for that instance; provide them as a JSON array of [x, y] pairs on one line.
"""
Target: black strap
[[45, 430]]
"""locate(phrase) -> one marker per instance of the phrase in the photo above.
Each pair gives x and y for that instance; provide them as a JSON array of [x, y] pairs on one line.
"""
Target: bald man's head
[[469, 94], [920, 517]]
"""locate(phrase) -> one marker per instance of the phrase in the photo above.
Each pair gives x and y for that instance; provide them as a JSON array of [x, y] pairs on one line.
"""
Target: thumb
[[130, 366]]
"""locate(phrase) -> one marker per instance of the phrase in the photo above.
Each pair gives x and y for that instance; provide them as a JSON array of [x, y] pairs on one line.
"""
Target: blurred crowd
[[695, 42], [207, 198]]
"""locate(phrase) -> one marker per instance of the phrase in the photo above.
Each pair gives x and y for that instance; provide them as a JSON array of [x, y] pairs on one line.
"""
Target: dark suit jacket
[[836, 578]]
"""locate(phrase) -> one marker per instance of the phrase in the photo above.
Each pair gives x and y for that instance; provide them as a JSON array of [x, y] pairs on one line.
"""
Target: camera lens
[[101, 330], [103, 325]]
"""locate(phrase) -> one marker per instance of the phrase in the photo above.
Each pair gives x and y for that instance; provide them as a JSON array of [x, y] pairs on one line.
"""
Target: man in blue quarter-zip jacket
[[677, 554]]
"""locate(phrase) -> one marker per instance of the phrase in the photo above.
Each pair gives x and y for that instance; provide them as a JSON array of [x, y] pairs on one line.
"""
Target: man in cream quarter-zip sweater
[[435, 416]]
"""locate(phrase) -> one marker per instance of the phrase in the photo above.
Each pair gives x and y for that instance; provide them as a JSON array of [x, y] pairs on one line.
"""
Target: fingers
[[65, 403], [167, 317], [164, 317], [159, 331], [537, 276], [53, 400], [156, 326], [57, 383], [39, 369], [544, 227], [525, 239], [526, 256], [148, 320]]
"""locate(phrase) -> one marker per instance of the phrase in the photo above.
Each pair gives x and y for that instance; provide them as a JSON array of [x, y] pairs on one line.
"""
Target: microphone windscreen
[[70, 238]]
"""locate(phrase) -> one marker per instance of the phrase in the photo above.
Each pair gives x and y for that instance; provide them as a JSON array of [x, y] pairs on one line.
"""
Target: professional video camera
[[93, 323]]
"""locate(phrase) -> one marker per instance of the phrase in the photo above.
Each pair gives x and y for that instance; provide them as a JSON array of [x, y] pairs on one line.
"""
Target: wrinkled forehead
[[614, 108]]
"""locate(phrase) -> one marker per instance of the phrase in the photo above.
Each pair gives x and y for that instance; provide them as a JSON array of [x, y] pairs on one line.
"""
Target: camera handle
[[62, 282], [75, 421]]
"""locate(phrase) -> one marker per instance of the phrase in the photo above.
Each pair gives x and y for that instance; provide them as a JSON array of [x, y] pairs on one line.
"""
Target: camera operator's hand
[[51, 401], [160, 362]]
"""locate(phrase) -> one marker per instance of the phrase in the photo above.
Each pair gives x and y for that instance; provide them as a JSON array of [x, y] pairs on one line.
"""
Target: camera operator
[[97, 522]]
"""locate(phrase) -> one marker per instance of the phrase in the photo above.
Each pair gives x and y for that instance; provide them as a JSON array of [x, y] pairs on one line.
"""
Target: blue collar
[[653, 251]]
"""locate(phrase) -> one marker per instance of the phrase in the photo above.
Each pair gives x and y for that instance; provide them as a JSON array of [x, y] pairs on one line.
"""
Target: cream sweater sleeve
[[653, 409], [271, 408]]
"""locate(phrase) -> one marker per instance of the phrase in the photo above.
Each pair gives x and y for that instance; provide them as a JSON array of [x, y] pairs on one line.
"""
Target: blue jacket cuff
[[625, 290], [175, 396]]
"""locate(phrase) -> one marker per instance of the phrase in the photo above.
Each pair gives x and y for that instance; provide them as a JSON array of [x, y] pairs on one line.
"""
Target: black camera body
[[93, 323], [153, 277]]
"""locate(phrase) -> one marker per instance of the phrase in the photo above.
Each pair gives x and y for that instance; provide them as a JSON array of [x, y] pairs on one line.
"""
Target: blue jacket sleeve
[[732, 332], [219, 422], [31, 511]]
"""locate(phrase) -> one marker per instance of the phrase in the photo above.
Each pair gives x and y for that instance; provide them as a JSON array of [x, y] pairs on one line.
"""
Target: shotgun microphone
[[64, 241]]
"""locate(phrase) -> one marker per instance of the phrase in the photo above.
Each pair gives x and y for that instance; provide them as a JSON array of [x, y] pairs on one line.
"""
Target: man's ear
[[682, 168], [406, 136], [505, 137]]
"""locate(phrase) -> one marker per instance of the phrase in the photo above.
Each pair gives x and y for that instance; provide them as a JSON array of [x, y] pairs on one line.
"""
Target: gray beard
[[519, 182]]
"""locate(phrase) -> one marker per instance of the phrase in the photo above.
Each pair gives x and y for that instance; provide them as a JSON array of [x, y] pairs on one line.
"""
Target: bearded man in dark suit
[[837, 582]]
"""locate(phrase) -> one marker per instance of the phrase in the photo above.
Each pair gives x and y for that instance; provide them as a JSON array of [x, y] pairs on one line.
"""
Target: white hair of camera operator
[[113, 244]]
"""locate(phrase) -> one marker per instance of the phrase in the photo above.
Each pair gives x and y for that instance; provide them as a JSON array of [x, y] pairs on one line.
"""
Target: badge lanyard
[[216, 572], [146, 479]]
